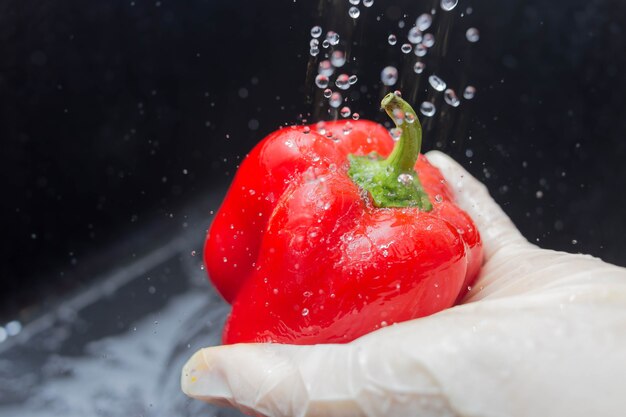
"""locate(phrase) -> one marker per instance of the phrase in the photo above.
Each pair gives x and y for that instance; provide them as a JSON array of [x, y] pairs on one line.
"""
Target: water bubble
[[410, 117], [353, 79], [325, 44], [355, 2], [450, 97], [389, 76], [338, 59], [325, 68], [314, 51], [384, 324], [429, 40], [420, 49], [469, 93], [332, 37], [314, 43], [397, 93], [437, 83], [419, 67], [368, 3], [414, 36], [347, 128], [395, 133], [321, 81], [356, 116], [13, 328], [354, 12], [306, 130], [428, 109], [472, 35], [448, 5], [335, 100], [345, 111], [305, 312], [398, 116], [193, 253], [406, 48], [328, 92], [405, 179], [438, 198], [316, 31], [392, 39], [343, 81], [424, 21], [539, 194]]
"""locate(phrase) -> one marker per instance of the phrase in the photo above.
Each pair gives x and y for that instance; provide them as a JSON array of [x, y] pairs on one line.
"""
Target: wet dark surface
[[117, 347]]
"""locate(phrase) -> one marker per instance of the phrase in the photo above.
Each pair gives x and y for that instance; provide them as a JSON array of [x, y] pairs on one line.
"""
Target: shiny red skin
[[304, 257]]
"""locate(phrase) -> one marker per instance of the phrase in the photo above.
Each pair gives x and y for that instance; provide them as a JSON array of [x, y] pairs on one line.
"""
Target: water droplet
[[314, 43], [419, 67], [347, 128], [328, 92], [306, 130], [469, 288], [405, 179], [397, 93], [437, 83], [356, 116], [335, 100], [420, 50], [392, 39], [406, 48], [450, 97], [338, 58], [354, 12], [343, 81], [424, 21], [438, 198], [305, 312], [395, 133], [345, 111], [332, 37], [414, 36], [193, 253], [275, 291], [472, 35], [469, 93], [314, 51], [307, 294], [321, 81], [384, 324], [410, 117], [316, 31], [429, 40], [448, 5], [428, 109], [389, 76], [368, 3], [325, 44], [353, 79], [325, 68], [225, 259]]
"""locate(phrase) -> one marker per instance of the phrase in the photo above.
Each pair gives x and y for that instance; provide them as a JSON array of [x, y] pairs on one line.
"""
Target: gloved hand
[[542, 333]]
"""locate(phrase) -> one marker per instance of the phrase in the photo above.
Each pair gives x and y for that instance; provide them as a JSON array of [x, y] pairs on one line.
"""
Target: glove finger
[[496, 228], [274, 380]]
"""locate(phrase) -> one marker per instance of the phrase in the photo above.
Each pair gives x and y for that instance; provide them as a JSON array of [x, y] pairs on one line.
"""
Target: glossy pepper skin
[[305, 255]]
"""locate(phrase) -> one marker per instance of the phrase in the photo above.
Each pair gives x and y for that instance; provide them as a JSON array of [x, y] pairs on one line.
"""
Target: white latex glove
[[541, 334]]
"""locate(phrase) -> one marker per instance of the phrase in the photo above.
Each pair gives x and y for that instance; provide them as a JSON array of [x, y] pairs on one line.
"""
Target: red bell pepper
[[328, 233]]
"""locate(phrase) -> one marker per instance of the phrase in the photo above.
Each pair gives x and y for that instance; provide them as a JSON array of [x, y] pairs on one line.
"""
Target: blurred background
[[122, 123]]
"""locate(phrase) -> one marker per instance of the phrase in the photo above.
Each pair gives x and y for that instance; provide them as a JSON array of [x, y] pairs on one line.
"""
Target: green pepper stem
[[404, 155], [393, 182]]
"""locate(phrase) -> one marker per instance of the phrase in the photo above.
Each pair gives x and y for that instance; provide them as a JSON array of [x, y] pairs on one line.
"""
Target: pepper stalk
[[393, 182]]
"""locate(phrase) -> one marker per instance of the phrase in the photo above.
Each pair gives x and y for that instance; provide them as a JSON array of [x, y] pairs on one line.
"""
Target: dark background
[[114, 115]]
